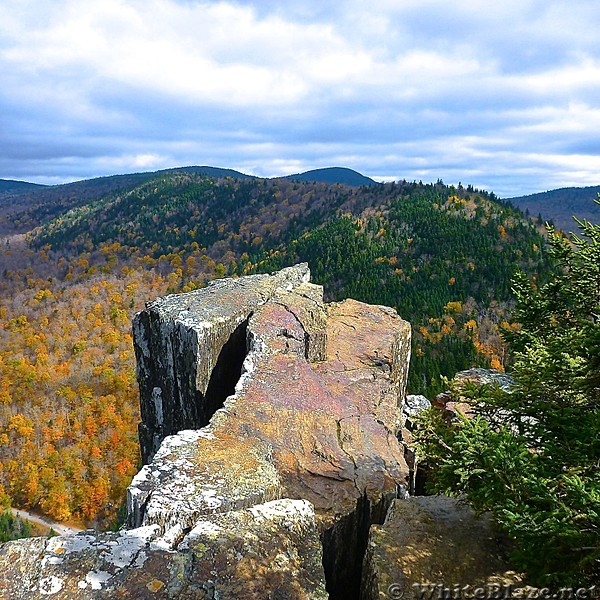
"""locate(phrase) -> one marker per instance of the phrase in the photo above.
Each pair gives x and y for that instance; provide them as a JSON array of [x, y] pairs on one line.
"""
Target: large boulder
[[452, 401], [269, 437], [431, 545]]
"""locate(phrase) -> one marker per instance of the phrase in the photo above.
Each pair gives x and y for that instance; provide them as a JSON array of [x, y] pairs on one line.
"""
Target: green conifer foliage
[[532, 456]]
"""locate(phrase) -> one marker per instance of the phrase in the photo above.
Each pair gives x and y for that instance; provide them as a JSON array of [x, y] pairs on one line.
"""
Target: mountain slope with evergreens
[[413, 246], [24, 205], [560, 206], [68, 396]]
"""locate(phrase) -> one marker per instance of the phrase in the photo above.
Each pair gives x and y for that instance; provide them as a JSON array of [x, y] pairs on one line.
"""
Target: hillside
[[34, 206], [560, 205], [68, 395], [25, 205], [9, 185], [417, 247], [334, 175]]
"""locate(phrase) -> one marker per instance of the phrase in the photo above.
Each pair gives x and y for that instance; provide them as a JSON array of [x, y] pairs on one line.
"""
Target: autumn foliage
[[68, 395], [70, 287]]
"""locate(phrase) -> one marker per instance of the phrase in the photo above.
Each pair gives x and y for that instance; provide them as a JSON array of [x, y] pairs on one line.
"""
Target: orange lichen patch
[[228, 454], [322, 450], [367, 347], [287, 380], [155, 585]]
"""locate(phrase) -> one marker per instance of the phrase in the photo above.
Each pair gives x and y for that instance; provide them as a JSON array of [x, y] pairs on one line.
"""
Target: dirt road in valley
[[58, 527]]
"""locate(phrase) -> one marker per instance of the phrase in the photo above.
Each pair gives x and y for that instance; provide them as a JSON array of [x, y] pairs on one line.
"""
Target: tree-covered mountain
[[10, 185], [559, 206], [36, 205], [334, 175], [443, 256], [25, 205], [413, 246]]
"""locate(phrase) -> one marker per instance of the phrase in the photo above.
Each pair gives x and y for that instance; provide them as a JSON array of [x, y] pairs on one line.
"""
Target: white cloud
[[400, 89], [147, 161]]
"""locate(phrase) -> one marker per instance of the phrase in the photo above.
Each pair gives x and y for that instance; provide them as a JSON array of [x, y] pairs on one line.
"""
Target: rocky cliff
[[269, 437]]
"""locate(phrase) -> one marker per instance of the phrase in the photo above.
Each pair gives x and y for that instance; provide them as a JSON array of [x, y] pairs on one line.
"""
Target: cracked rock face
[[314, 415], [271, 547], [179, 340], [433, 541], [269, 419]]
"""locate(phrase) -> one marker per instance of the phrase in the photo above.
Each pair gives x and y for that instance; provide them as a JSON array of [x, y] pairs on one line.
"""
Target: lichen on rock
[[430, 544], [269, 424]]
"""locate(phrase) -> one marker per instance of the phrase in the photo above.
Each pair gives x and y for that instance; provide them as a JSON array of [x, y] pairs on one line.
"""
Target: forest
[[530, 455], [75, 272], [13, 527]]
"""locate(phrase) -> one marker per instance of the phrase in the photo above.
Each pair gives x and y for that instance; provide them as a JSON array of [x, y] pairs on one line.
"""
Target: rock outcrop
[[272, 547], [435, 547], [269, 438], [452, 401]]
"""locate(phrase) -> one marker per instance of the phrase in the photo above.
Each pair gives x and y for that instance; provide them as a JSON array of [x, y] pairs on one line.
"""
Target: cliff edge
[[269, 441]]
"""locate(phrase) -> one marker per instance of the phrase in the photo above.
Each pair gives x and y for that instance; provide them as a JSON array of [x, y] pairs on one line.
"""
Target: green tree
[[532, 456], [13, 527]]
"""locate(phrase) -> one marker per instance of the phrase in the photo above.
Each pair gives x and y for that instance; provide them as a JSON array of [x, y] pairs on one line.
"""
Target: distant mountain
[[334, 175], [10, 185], [217, 172], [28, 205], [561, 205], [23, 209]]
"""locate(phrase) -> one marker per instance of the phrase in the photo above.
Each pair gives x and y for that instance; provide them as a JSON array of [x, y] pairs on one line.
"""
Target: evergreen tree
[[13, 527], [532, 455]]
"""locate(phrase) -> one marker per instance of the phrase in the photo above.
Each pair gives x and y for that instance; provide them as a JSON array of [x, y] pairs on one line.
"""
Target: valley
[[92, 253]]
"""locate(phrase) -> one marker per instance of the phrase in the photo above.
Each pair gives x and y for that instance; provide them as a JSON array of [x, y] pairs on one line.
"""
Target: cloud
[[501, 95]]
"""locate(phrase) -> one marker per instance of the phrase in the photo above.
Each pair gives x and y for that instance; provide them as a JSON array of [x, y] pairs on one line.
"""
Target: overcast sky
[[501, 95]]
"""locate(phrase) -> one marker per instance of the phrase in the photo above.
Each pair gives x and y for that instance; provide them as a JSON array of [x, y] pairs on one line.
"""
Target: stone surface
[[269, 419], [187, 345], [323, 431], [484, 376], [451, 402], [314, 416], [437, 541], [414, 405], [270, 550]]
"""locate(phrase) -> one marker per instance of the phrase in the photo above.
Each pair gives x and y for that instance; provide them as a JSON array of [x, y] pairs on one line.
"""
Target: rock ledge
[[269, 437]]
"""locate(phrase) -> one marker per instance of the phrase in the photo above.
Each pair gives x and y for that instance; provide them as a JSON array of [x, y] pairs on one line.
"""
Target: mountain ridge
[[561, 204], [342, 175], [40, 204], [12, 185], [557, 206]]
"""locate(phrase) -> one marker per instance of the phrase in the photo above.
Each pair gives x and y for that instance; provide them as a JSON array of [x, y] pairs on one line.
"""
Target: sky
[[504, 96]]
